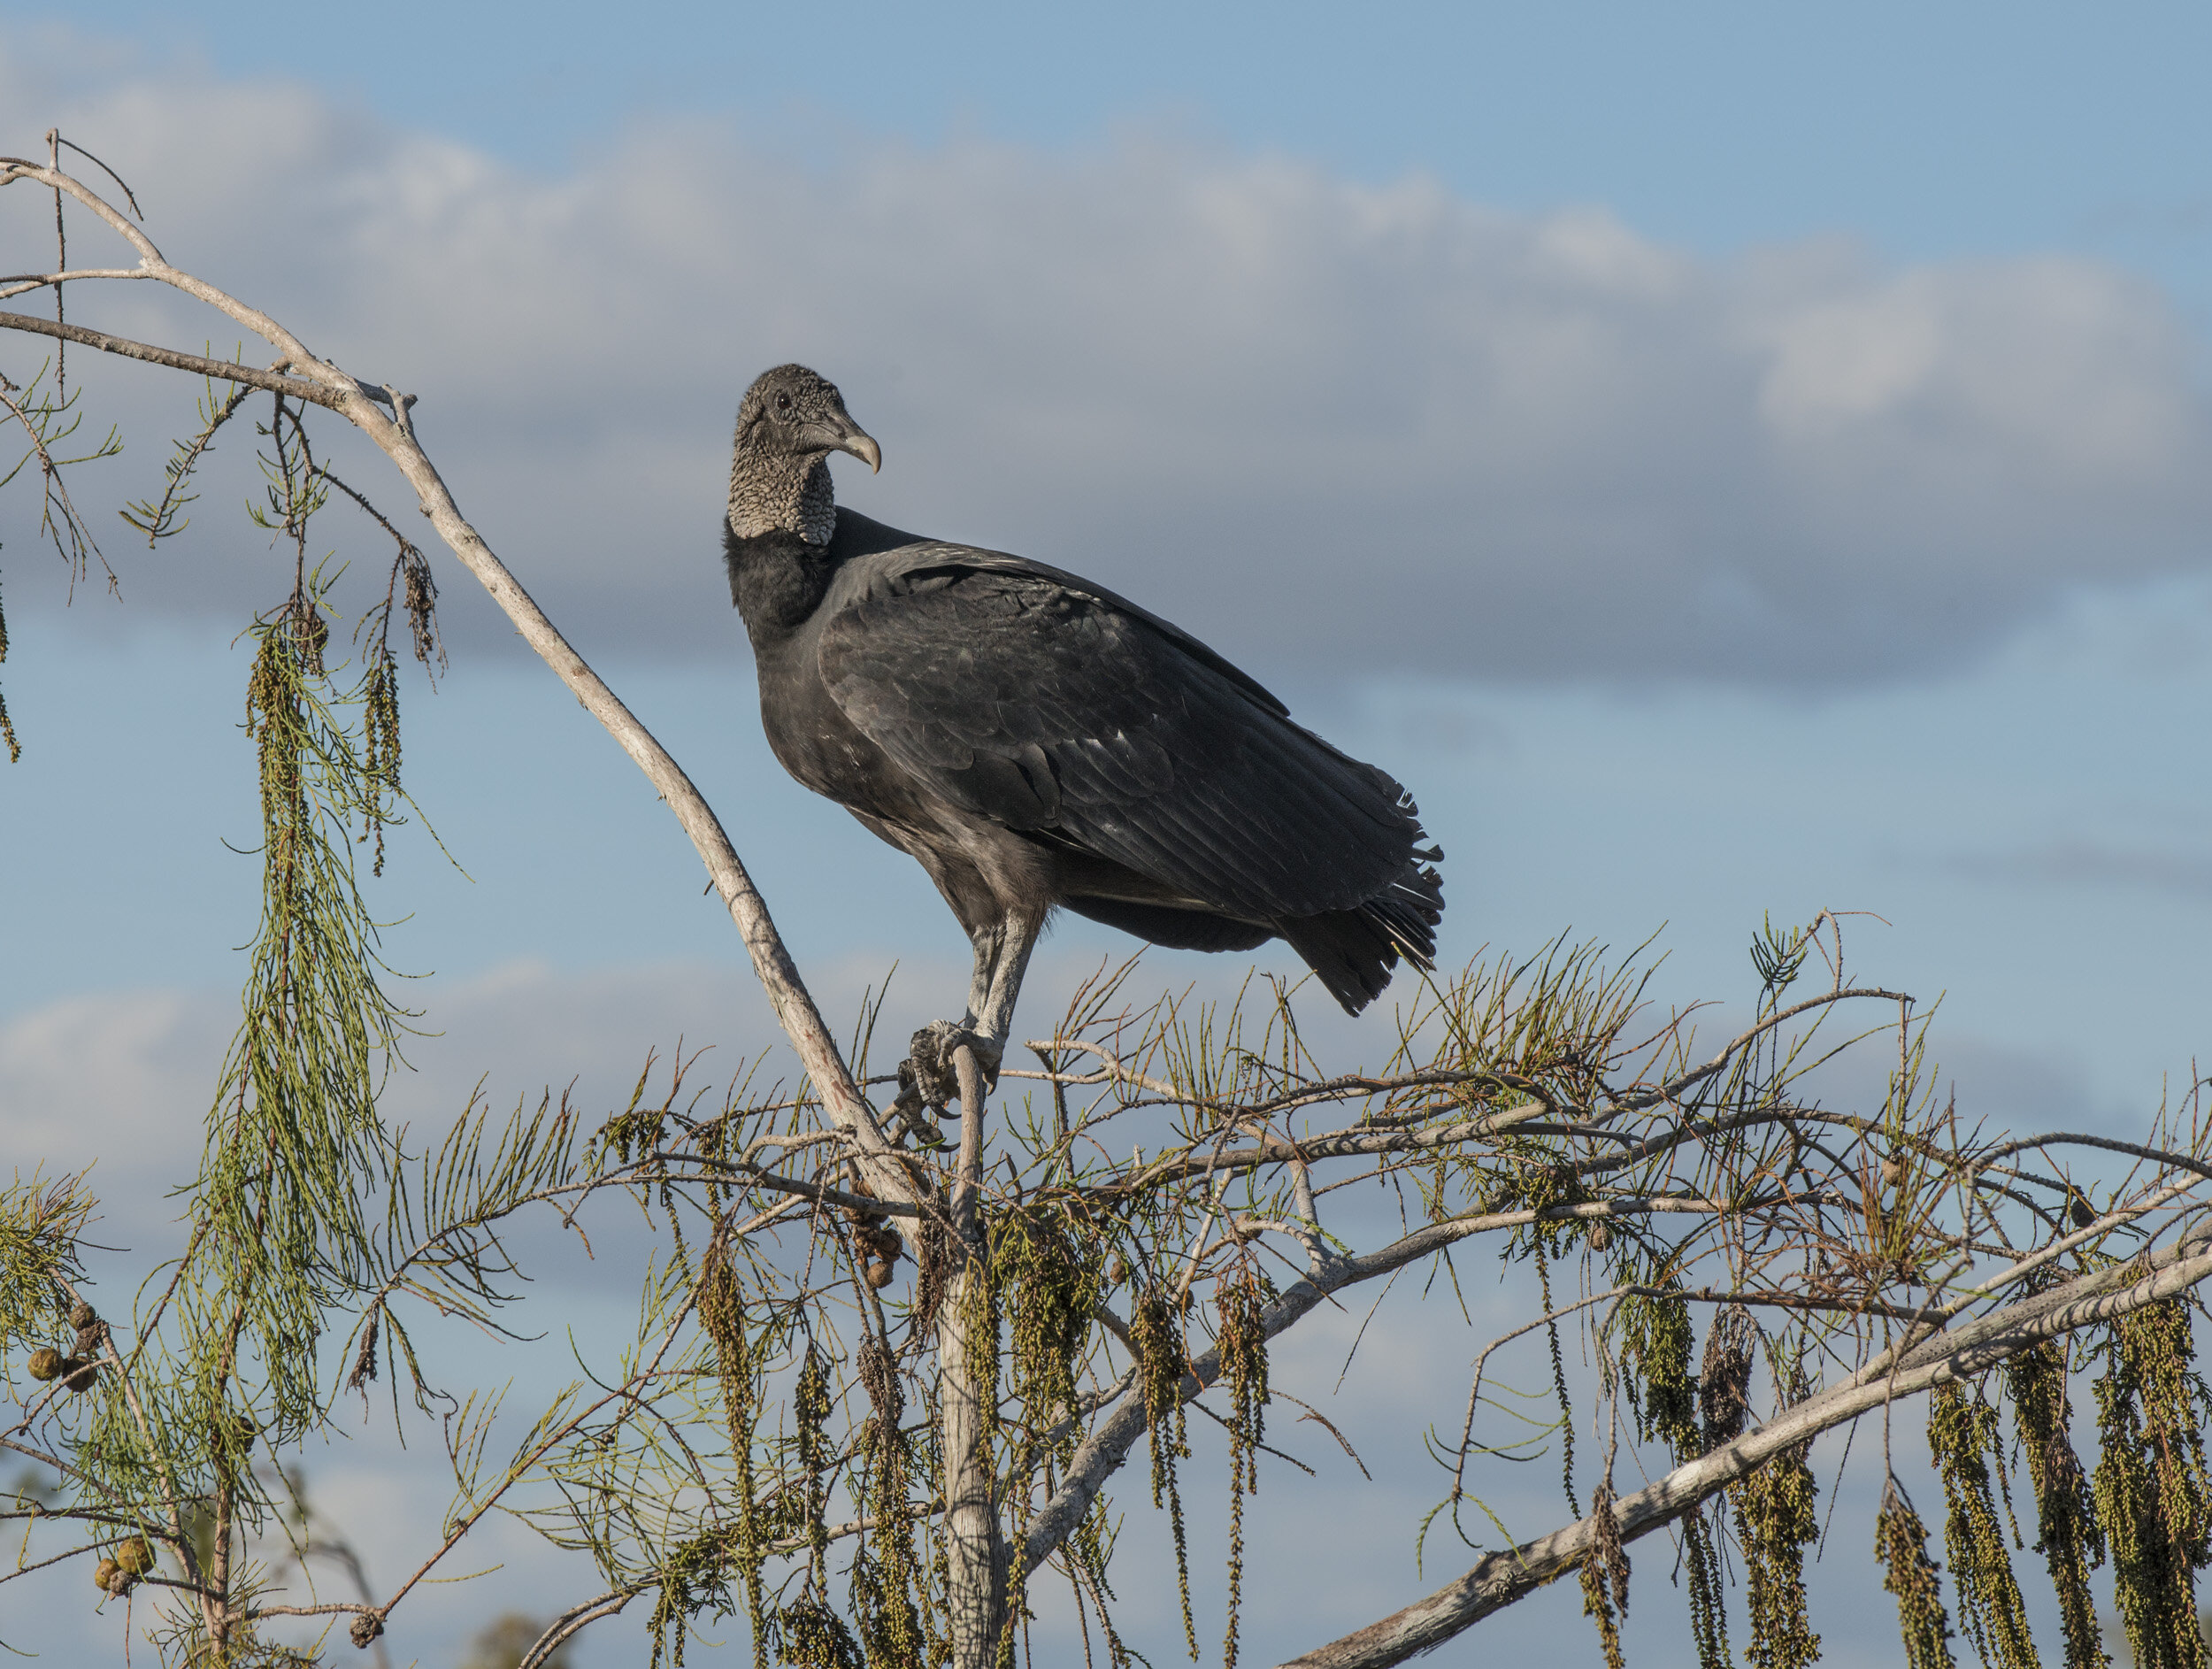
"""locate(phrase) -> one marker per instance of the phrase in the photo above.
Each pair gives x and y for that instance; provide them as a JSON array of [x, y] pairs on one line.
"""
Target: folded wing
[[1055, 708]]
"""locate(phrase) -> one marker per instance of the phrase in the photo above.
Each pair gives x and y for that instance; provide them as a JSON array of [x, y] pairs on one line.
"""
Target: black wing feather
[[1024, 696]]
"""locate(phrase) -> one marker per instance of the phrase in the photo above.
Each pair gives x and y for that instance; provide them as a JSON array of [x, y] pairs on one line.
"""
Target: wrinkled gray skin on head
[[790, 422]]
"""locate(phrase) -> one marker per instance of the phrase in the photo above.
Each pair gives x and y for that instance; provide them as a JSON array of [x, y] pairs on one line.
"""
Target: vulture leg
[[926, 1077], [991, 999]]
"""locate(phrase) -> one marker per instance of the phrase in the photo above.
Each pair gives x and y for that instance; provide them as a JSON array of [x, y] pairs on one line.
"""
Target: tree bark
[[975, 1546]]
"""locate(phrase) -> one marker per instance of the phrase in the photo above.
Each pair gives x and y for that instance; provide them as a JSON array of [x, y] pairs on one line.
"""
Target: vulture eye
[[783, 402]]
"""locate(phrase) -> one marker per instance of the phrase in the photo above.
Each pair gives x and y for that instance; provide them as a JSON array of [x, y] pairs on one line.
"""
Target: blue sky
[[1727, 459]]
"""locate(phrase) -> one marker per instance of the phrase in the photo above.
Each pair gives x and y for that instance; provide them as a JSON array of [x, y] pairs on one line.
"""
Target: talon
[[925, 1079], [910, 1120], [909, 1102], [928, 1074]]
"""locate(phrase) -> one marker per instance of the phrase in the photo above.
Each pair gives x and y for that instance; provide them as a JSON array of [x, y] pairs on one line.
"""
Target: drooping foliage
[[2066, 1532], [1658, 1346], [1901, 1544], [1963, 1440], [1774, 1521], [2152, 1495], [1157, 1334]]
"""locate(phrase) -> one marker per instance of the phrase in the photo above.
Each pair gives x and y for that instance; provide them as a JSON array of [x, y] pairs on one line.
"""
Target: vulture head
[[790, 422]]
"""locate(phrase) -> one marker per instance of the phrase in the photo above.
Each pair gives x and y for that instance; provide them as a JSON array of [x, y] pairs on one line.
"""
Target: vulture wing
[[1052, 706]]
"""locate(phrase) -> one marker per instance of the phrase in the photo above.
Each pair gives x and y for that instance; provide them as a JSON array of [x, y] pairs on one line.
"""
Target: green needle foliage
[[306, 1210], [280, 1232], [47, 417]]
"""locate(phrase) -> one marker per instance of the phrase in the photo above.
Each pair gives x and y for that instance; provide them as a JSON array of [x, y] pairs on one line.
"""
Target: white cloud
[[1333, 425], [117, 1080]]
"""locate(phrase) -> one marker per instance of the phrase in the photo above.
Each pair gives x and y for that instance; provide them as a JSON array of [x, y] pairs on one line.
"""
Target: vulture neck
[[782, 493], [776, 541]]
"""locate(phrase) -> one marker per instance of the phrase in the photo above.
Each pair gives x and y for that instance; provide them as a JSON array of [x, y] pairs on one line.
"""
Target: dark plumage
[[1036, 741]]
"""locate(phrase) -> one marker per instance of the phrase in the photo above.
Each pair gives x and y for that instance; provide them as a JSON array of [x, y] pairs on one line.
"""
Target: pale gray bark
[[975, 1548]]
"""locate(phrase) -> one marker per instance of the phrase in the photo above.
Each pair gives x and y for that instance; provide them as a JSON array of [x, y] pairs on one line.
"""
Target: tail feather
[[1353, 952]]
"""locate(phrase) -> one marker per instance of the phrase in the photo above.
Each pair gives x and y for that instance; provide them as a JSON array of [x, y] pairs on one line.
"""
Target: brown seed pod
[[365, 1628], [1893, 1171], [1601, 1235], [2079, 1209], [243, 1430], [859, 1214], [135, 1556], [879, 1276], [79, 1374], [82, 1315], [874, 1245], [45, 1364], [1116, 1270]]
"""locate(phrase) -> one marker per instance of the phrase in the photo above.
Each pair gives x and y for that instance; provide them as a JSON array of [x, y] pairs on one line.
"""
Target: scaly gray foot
[[927, 1077]]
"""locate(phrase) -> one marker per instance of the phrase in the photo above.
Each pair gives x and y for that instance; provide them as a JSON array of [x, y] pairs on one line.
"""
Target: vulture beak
[[840, 434], [862, 446]]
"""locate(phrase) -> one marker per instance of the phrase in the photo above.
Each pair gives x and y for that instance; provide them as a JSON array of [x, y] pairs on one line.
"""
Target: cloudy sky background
[[1734, 466]]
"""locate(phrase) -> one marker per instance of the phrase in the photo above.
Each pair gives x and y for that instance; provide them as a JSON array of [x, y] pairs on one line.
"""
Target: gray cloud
[[1333, 427], [2084, 863]]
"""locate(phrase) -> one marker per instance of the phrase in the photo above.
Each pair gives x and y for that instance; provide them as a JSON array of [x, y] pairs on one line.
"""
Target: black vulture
[[1037, 742]]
